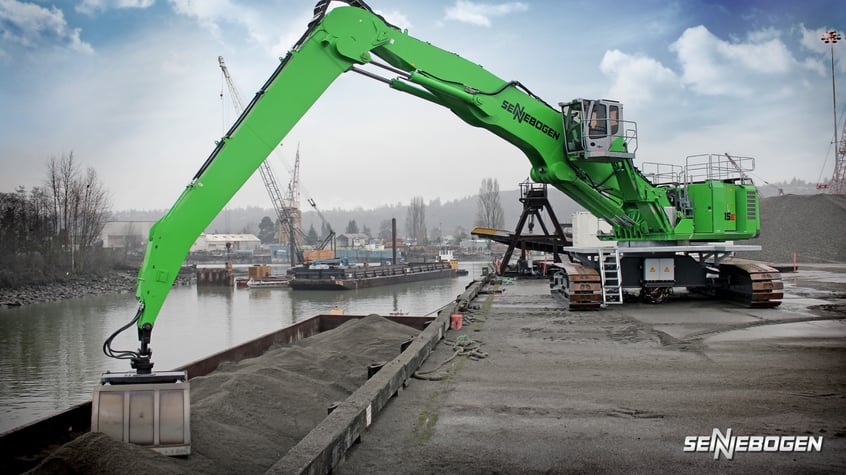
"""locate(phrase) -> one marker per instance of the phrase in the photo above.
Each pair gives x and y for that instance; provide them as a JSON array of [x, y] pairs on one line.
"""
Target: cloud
[[33, 26], [712, 66], [208, 14], [761, 65], [480, 14], [90, 7], [637, 79], [811, 40], [273, 38], [396, 18]]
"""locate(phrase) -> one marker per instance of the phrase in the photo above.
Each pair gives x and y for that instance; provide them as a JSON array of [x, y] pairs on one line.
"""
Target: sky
[[133, 89]]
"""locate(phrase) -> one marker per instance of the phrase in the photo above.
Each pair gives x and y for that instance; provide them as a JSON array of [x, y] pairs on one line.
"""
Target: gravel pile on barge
[[246, 415]]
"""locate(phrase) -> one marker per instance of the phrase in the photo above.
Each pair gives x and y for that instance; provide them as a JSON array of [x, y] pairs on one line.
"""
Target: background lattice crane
[[287, 211], [838, 179]]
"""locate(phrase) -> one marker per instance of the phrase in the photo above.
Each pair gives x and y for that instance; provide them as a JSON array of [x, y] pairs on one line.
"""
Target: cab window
[[613, 119], [598, 122]]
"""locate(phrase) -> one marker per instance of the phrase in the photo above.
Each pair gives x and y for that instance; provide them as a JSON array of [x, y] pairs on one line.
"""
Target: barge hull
[[366, 282]]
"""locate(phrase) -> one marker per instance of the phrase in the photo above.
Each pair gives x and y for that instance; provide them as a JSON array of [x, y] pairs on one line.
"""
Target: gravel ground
[[619, 390]]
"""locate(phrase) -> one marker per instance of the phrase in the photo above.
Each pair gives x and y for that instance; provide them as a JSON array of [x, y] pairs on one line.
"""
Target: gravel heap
[[812, 226], [246, 415]]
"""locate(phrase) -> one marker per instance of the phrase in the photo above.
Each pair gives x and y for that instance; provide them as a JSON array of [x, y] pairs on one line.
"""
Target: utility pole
[[830, 38]]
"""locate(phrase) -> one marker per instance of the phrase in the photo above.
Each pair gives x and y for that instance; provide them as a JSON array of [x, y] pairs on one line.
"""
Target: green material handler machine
[[673, 228]]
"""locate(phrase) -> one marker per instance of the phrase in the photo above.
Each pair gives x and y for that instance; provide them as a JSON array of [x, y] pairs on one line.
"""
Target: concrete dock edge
[[325, 446]]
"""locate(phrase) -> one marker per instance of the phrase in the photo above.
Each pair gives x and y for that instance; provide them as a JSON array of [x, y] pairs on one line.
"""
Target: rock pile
[[812, 226], [72, 288]]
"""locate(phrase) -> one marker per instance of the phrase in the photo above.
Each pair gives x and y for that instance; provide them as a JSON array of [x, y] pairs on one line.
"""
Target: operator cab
[[595, 130]]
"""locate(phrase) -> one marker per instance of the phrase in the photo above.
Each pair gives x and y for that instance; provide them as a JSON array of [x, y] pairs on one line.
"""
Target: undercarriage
[[597, 277], [588, 278]]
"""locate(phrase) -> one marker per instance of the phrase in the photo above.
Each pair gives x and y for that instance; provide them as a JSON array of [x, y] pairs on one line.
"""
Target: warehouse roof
[[230, 237]]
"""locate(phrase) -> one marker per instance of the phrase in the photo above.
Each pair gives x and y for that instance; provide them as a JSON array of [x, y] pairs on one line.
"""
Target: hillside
[[812, 226]]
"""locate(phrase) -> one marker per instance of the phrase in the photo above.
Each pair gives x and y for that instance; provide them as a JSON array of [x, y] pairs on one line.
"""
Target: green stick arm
[[297, 83]]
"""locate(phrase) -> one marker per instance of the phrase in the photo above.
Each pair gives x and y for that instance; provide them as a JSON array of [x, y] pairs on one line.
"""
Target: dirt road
[[620, 390]]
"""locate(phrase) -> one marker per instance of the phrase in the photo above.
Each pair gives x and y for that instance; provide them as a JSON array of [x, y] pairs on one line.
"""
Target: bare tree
[[80, 207], [53, 228], [42, 225], [54, 190], [93, 209], [415, 220], [489, 210], [385, 230]]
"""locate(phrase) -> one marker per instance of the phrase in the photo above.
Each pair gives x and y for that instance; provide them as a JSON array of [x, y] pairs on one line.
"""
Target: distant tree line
[[53, 229]]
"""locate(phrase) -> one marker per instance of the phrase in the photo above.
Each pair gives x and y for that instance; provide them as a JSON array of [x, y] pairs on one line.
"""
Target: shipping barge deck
[[352, 278]]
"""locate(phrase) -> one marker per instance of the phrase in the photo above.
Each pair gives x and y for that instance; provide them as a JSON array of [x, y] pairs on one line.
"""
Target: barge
[[24, 447], [272, 282], [259, 276], [352, 278]]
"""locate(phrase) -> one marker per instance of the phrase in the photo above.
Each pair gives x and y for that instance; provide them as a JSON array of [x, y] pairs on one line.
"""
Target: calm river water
[[51, 354]]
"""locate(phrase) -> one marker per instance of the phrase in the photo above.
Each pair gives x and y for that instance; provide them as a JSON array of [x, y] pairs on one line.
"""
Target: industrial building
[[216, 243], [126, 234]]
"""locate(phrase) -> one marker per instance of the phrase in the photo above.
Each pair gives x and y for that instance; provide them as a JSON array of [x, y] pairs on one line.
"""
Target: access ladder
[[612, 282]]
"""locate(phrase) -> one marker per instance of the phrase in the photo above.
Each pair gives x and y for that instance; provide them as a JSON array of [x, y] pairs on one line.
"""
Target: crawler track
[[752, 283], [580, 285]]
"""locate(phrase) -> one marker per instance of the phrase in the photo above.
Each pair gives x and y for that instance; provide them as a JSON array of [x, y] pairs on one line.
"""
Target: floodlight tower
[[837, 179]]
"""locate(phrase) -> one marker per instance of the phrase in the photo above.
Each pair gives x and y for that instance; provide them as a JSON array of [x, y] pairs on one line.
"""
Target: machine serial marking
[[520, 115]]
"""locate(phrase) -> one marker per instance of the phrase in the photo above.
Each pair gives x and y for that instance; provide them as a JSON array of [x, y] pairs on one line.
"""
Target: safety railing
[[662, 173], [713, 166]]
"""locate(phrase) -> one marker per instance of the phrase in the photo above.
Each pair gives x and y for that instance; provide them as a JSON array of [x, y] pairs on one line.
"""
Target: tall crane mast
[[283, 209], [293, 193], [837, 184], [838, 179], [292, 207]]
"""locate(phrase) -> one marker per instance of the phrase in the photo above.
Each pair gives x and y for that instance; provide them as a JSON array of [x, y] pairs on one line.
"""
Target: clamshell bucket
[[152, 410]]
